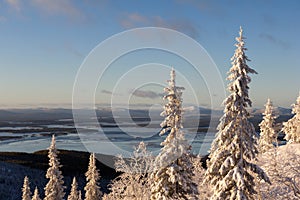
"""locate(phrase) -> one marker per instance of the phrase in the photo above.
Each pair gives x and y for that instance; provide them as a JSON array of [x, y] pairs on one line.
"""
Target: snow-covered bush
[[133, 183]]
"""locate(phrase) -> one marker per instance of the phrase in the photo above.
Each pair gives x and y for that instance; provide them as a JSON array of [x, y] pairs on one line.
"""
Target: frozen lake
[[109, 141]]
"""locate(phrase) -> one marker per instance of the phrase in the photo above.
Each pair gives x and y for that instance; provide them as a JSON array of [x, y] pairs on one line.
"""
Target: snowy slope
[[282, 165]]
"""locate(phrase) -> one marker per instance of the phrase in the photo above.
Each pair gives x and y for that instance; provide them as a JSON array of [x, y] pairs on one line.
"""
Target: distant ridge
[[63, 113]]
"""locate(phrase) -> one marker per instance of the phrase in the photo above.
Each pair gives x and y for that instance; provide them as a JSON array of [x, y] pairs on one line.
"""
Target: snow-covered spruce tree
[[36, 195], [92, 189], [74, 194], [26, 193], [230, 168], [172, 175], [268, 135], [291, 128], [54, 189], [134, 182]]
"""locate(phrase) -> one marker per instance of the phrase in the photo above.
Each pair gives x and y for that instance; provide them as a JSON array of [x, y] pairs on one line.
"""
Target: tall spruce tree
[[291, 128], [92, 189], [26, 193], [231, 168], [268, 135], [54, 189], [172, 176]]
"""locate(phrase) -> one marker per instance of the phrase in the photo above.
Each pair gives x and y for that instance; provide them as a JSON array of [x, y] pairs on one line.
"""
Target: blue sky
[[44, 42]]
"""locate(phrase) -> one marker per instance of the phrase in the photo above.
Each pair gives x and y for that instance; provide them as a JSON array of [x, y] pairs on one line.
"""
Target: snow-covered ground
[[283, 168]]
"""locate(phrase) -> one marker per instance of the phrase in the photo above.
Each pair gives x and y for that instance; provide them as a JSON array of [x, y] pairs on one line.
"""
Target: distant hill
[[284, 111], [34, 114], [278, 111], [192, 116], [62, 113]]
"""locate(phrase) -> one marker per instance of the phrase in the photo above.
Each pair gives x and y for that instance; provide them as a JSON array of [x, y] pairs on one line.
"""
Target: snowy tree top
[[238, 75], [74, 194], [36, 194], [268, 135], [173, 109], [296, 106], [292, 127], [26, 189], [269, 109], [53, 144]]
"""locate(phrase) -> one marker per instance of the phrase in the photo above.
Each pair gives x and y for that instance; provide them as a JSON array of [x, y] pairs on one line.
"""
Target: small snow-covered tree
[[291, 128], [26, 190], [133, 183], [36, 195], [172, 175], [54, 189], [231, 168], [268, 135], [92, 188], [74, 194]]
